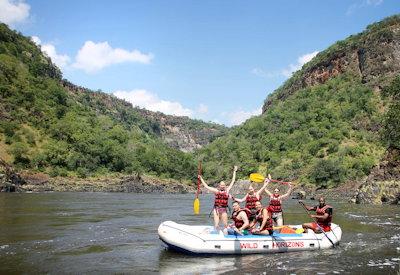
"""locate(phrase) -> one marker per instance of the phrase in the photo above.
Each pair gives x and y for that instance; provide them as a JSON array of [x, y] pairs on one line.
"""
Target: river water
[[117, 233]]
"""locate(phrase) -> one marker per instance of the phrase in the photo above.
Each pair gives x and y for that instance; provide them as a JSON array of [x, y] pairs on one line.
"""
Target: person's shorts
[[315, 227], [220, 210]]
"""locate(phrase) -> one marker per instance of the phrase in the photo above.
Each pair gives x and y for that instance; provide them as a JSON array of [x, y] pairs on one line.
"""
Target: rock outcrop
[[383, 184], [127, 184], [184, 133], [178, 132], [10, 180], [373, 56]]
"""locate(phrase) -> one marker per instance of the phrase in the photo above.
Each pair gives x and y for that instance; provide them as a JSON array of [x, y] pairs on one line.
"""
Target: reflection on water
[[117, 233]]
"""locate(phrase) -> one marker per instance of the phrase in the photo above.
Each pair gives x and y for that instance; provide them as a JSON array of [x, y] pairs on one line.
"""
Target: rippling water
[[117, 233]]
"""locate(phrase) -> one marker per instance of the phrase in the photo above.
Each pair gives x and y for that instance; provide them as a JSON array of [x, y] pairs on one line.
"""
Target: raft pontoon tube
[[205, 240]]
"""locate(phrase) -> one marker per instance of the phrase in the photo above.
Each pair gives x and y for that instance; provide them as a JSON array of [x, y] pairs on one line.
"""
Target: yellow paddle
[[255, 177], [196, 203]]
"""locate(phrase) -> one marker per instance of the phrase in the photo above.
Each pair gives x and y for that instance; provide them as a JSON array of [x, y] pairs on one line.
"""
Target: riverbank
[[39, 182]]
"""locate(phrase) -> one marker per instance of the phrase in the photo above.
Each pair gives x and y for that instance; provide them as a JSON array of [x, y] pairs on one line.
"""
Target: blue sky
[[212, 60]]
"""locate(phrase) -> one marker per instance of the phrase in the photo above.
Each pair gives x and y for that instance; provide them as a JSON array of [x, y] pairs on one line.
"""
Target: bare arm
[[233, 179], [288, 192], [212, 189], [265, 188], [324, 216], [309, 208], [242, 199], [245, 220], [266, 181], [265, 218]]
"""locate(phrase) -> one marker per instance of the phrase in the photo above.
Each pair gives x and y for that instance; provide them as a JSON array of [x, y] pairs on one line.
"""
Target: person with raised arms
[[263, 218], [221, 200], [240, 220], [275, 202], [251, 198]]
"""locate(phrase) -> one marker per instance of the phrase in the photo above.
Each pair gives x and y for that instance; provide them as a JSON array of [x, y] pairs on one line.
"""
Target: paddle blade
[[299, 230], [196, 206], [255, 177]]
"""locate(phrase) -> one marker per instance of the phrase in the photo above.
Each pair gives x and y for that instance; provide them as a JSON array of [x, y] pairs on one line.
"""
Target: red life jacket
[[239, 223], [251, 201], [275, 205], [259, 218], [320, 212], [221, 199]]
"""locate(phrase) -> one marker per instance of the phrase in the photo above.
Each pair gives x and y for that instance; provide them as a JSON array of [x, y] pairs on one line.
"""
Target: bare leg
[[279, 219], [307, 226], [216, 219], [224, 218]]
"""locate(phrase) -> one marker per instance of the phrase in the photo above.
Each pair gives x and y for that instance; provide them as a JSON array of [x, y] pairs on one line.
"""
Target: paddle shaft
[[278, 181], [198, 180], [316, 222]]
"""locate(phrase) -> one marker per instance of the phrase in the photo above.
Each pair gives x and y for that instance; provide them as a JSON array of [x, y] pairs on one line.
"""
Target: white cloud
[[300, 62], [12, 12], [240, 116], [262, 73], [61, 61], [286, 72], [152, 102], [93, 57], [36, 40], [202, 109], [363, 4], [374, 2]]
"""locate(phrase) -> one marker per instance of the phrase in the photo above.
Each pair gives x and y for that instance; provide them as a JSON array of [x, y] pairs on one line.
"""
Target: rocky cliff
[[178, 132], [183, 133], [383, 184], [373, 56]]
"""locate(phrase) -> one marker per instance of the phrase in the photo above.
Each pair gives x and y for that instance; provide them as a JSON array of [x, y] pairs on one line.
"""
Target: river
[[117, 233]]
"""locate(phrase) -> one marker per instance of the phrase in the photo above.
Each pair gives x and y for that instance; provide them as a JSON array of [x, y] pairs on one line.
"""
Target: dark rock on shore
[[383, 183], [132, 184]]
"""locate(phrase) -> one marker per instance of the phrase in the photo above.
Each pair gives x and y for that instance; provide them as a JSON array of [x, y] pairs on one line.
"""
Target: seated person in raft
[[264, 220], [240, 220], [323, 218], [221, 200], [251, 198]]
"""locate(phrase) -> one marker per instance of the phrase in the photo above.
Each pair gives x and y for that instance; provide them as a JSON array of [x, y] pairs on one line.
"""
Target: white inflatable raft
[[205, 240]]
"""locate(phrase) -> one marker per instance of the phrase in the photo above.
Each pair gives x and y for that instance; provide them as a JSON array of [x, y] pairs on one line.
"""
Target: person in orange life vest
[[251, 198], [323, 217], [221, 199], [275, 203], [240, 220], [263, 218]]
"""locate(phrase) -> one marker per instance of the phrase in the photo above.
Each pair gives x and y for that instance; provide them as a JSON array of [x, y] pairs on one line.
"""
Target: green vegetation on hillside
[[391, 125], [324, 135], [374, 37], [44, 127]]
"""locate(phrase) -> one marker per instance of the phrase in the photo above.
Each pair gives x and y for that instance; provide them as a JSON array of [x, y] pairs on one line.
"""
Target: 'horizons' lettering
[[287, 244]]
